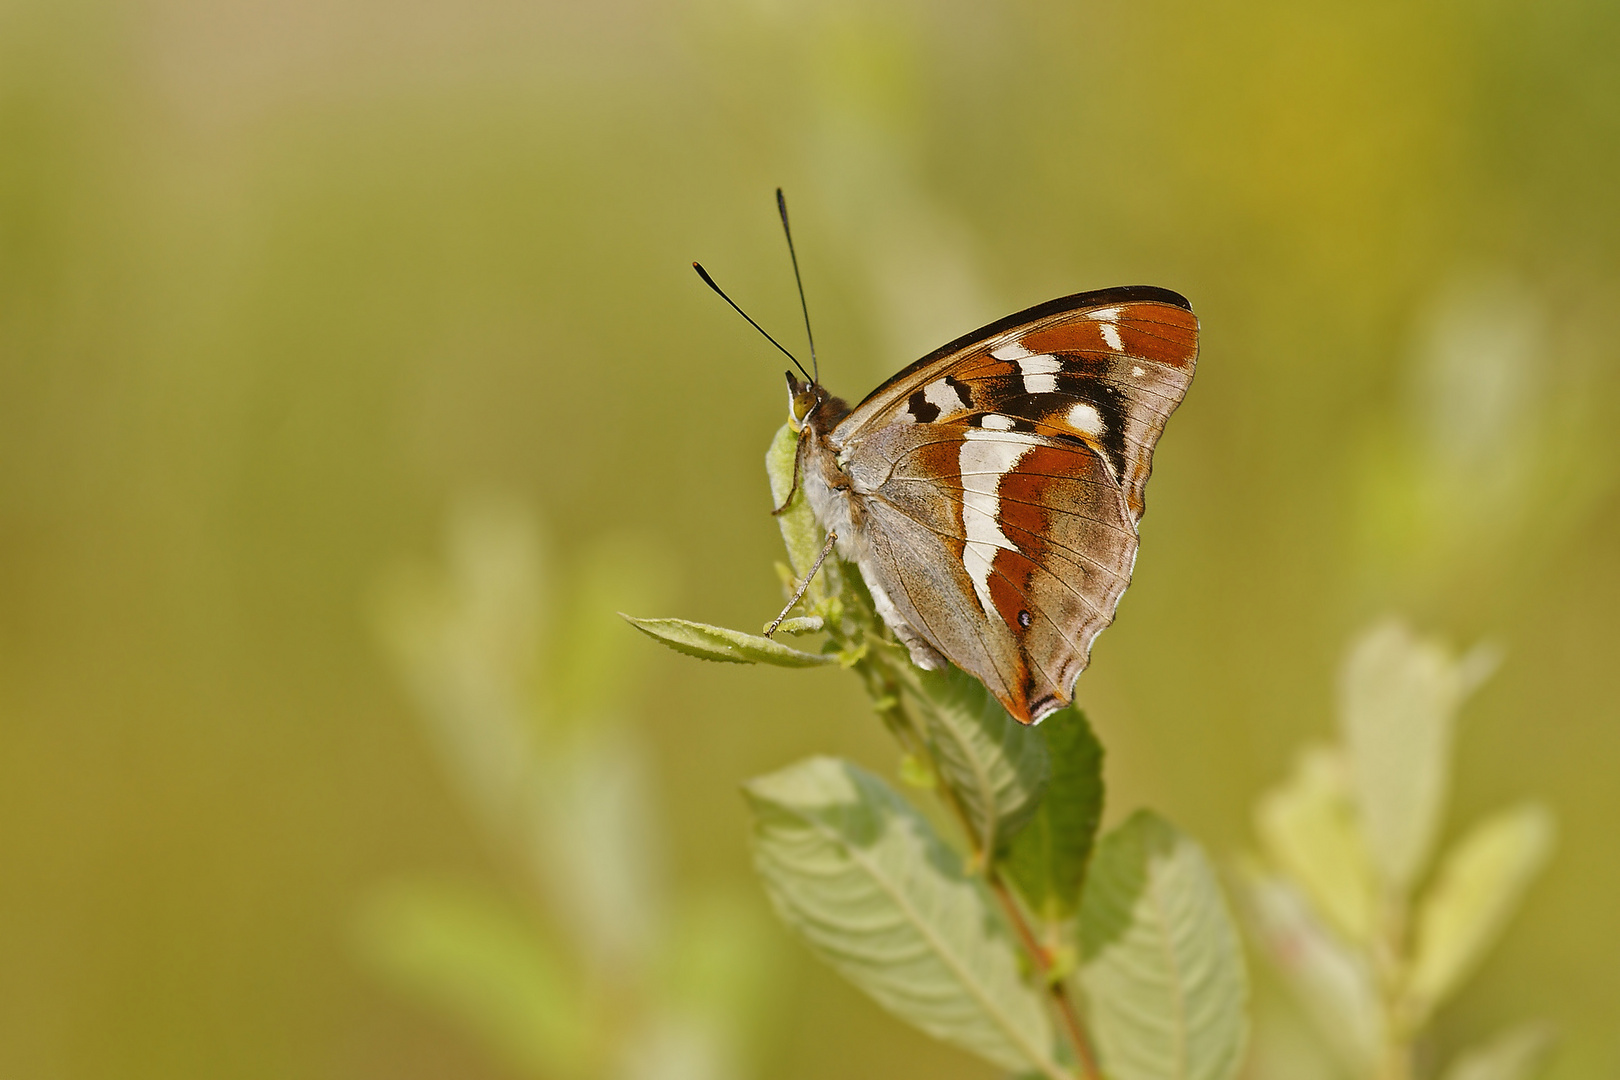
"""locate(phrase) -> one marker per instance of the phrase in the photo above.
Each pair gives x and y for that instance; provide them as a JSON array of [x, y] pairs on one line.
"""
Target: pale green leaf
[[865, 881], [472, 954], [591, 671], [800, 533], [1047, 859], [728, 646], [995, 766], [1308, 829], [1334, 984], [1160, 960], [1283, 1045], [594, 843], [1479, 886], [809, 624], [1398, 702], [719, 958], [1516, 1054], [466, 637]]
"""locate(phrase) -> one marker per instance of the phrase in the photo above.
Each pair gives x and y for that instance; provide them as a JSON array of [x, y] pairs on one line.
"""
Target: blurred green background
[[283, 283]]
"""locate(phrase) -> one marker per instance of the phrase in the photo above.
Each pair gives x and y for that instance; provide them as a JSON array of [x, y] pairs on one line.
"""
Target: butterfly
[[990, 493]]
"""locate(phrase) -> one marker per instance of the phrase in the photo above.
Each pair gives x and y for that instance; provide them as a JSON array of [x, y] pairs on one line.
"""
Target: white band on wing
[[986, 456]]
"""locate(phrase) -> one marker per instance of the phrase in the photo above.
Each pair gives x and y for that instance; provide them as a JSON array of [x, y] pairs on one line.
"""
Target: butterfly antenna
[[781, 207], [709, 281]]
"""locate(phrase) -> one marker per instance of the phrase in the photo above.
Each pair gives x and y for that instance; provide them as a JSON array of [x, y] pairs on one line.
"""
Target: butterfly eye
[[801, 406]]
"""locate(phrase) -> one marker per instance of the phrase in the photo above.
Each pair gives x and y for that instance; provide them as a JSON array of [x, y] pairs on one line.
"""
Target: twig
[[1057, 988], [1068, 1015]]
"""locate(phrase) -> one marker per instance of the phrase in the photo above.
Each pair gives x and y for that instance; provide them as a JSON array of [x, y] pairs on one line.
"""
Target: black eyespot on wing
[[1024, 619]]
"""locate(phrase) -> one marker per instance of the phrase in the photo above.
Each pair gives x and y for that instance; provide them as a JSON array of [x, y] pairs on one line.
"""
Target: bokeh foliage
[[279, 281], [1369, 926]]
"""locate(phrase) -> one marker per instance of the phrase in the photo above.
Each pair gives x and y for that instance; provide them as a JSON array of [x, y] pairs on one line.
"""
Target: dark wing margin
[[1063, 305]]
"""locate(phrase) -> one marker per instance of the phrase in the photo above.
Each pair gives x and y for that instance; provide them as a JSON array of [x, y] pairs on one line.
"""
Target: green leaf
[[1160, 960], [1399, 699], [728, 646], [1516, 1054], [996, 767], [865, 881], [718, 962], [809, 624], [590, 673], [1335, 984], [1478, 887], [1047, 860], [472, 954], [800, 533], [1308, 829]]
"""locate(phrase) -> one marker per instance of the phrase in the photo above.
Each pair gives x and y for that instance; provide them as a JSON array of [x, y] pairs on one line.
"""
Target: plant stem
[[1392, 962], [883, 684], [1057, 989]]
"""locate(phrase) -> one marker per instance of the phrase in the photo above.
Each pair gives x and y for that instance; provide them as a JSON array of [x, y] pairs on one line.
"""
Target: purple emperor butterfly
[[990, 493]]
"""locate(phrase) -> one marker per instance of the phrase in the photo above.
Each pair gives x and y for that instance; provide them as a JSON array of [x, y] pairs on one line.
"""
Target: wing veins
[[1015, 550]]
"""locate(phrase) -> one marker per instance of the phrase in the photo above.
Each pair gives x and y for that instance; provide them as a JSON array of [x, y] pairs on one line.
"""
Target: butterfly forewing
[[1107, 368], [1001, 482]]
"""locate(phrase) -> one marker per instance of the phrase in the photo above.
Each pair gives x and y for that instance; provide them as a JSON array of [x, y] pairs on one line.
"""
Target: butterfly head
[[809, 403]]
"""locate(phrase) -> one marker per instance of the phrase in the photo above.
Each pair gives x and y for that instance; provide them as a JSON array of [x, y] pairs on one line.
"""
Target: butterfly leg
[[826, 549]]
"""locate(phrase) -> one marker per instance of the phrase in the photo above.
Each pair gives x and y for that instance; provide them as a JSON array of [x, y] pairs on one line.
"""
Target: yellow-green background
[[281, 280]]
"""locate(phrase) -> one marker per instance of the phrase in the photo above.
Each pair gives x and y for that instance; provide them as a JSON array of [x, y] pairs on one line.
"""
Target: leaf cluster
[[1024, 938], [584, 966], [1371, 929]]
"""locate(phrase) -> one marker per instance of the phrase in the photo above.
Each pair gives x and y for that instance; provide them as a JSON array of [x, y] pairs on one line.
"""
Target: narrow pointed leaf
[[811, 624], [728, 646], [863, 879], [1334, 984], [1308, 827], [1478, 888], [1047, 860], [800, 533], [1160, 960], [1398, 702], [473, 955], [1516, 1054], [996, 767]]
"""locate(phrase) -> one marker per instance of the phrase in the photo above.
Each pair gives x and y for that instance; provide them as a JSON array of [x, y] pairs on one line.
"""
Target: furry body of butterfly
[[989, 493]]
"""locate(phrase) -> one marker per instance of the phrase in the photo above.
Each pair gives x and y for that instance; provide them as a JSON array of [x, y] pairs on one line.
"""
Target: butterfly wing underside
[[1001, 481]]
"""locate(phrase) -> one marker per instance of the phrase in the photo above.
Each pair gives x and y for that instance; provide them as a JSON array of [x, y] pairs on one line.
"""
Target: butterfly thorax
[[814, 413], [837, 491]]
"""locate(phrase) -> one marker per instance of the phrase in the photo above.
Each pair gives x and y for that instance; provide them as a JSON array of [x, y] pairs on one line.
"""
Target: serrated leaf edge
[[1039, 1059]]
